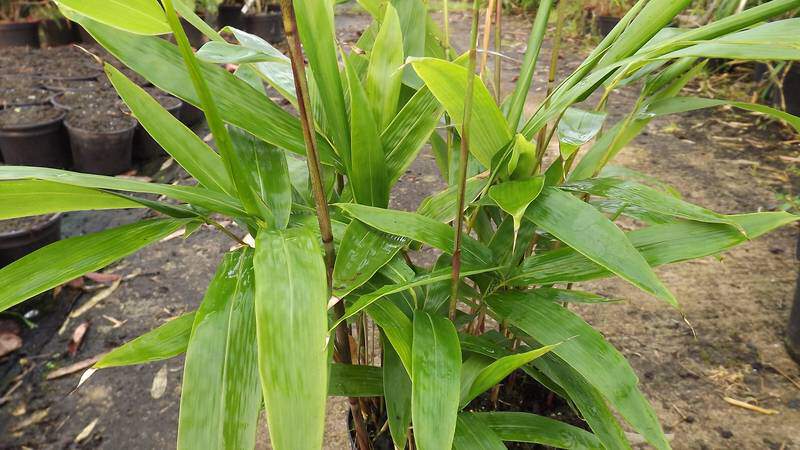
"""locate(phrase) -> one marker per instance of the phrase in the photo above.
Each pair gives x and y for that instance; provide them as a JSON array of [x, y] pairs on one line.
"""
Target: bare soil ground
[[737, 305]]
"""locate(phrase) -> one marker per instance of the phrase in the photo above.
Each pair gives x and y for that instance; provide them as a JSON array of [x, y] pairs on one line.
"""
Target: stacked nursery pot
[[266, 23]]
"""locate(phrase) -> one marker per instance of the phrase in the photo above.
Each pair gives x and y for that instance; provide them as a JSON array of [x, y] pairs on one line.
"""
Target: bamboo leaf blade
[[291, 328], [525, 427], [22, 198], [397, 394], [166, 341], [571, 220], [674, 105], [435, 378], [586, 351], [135, 16], [350, 380], [221, 395], [68, 259], [362, 252], [384, 74], [473, 434]]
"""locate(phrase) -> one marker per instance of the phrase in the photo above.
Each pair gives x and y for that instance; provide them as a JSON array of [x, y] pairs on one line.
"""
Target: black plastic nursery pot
[[101, 152], [605, 24], [42, 143], [791, 89], [19, 34], [267, 26], [190, 115], [19, 237], [230, 15], [57, 32], [144, 146]]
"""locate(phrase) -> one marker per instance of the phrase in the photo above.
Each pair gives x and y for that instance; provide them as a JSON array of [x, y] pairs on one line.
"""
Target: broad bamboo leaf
[[439, 275], [648, 198], [578, 127], [291, 325], [525, 427], [239, 104], [441, 206], [658, 244], [413, 16], [410, 129], [674, 105], [419, 228], [186, 8], [226, 53], [201, 197], [221, 395], [397, 394], [22, 198], [473, 434], [166, 341], [367, 170], [435, 376], [589, 232], [397, 327], [177, 139], [495, 372], [347, 380], [134, 16], [384, 74], [317, 32], [68, 259], [777, 40], [362, 252], [267, 173], [587, 400], [522, 162], [583, 348], [514, 197], [447, 81]]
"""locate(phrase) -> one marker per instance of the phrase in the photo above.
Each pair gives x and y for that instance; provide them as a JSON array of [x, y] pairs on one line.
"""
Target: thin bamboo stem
[[498, 31], [342, 343], [487, 29], [463, 157]]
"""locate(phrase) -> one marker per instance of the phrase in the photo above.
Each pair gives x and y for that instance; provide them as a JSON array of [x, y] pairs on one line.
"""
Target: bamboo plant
[[320, 258]]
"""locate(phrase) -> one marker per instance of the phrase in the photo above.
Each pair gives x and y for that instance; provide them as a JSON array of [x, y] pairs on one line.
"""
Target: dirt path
[[738, 306]]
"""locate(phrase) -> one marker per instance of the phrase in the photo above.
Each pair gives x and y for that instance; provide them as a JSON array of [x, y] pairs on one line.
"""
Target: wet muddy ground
[[737, 305]]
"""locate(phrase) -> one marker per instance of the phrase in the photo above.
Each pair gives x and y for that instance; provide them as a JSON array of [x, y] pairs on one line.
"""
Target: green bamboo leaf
[[267, 174], [397, 327], [186, 9], [317, 33], [586, 398], [68, 259], [397, 394], [435, 377], [495, 372], [362, 252], [201, 197], [578, 127], [166, 341], [220, 395], [514, 197], [447, 81], [134, 16], [22, 198], [589, 232], [439, 275], [658, 244], [226, 53], [473, 434], [771, 41], [410, 129], [176, 138], [647, 198], [413, 18], [239, 104], [674, 105], [522, 163], [585, 349], [291, 325], [441, 206], [384, 74], [349, 380], [367, 170], [525, 427], [419, 228]]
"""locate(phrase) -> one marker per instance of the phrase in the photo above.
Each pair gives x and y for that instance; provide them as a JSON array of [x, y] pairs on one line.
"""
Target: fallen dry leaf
[[86, 432], [99, 297], [174, 235], [77, 338], [72, 368], [33, 419], [750, 407], [116, 323], [8, 343], [77, 283], [159, 386], [99, 277]]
